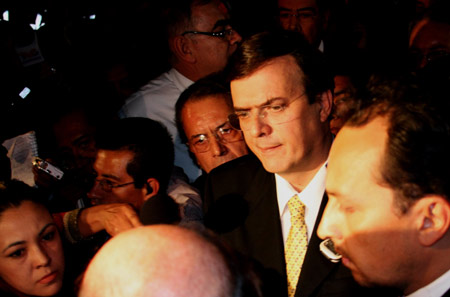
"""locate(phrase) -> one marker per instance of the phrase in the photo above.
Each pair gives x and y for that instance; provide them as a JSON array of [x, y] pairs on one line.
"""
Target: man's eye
[[17, 253], [200, 140], [243, 114], [306, 15], [284, 15], [276, 107]]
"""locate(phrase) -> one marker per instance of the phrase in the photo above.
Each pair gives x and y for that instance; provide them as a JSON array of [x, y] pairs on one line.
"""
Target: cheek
[[16, 275]]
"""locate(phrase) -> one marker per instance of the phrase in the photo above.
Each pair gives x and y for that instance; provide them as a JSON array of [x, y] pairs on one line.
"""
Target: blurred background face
[[431, 43], [342, 102], [111, 170], [31, 257], [212, 52], [209, 117], [75, 140], [302, 16]]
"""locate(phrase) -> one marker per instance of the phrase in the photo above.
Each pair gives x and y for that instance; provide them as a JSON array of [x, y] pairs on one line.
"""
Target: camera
[[47, 167], [327, 249]]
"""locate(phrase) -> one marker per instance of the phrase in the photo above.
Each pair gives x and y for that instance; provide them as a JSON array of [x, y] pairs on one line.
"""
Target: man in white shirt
[[200, 40], [388, 212], [281, 92]]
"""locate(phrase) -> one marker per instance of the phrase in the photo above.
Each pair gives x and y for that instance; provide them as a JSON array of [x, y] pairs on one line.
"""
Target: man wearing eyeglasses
[[202, 120], [200, 40], [282, 96], [135, 169]]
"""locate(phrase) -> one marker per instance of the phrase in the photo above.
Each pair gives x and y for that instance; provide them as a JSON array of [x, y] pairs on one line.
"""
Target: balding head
[[157, 260]]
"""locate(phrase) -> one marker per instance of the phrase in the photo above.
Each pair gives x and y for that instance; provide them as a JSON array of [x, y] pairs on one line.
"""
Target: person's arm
[[114, 218]]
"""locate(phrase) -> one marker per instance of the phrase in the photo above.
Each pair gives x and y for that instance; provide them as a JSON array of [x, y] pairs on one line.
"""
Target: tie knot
[[296, 207]]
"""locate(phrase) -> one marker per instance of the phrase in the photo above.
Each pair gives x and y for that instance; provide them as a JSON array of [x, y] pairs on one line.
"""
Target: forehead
[[297, 4], [112, 162], [204, 17], [13, 218], [205, 112], [70, 128], [279, 78], [356, 157], [431, 35]]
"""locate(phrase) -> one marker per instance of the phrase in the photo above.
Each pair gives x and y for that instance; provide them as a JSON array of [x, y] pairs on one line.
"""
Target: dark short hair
[[14, 192], [261, 48], [150, 142], [211, 85], [417, 158]]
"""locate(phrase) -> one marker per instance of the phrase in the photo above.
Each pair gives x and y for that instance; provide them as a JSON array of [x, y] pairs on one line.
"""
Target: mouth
[[48, 278], [269, 149]]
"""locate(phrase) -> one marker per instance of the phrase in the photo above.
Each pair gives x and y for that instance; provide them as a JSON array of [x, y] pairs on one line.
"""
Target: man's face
[[342, 102], [375, 239], [431, 43], [110, 167], [75, 140], [283, 130], [211, 53], [302, 16], [209, 117]]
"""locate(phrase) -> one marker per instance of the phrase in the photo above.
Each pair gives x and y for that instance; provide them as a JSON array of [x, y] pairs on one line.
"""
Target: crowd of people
[[300, 152]]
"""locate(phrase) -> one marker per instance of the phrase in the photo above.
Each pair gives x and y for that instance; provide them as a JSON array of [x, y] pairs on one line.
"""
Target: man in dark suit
[[389, 208], [281, 91]]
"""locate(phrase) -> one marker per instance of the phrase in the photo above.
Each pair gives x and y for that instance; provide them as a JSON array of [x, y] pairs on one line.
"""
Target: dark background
[[105, 59]]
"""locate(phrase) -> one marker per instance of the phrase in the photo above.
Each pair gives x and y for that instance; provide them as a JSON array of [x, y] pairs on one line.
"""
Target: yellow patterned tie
[[296, 244]]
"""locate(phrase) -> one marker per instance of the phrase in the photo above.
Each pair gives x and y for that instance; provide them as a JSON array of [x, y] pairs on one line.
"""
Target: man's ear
[[433, 219], [182, 48], [151, 188], [325, 101]]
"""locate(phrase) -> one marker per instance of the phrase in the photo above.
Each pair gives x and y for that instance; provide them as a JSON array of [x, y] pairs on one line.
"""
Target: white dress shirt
[[311, 197], [156, 100]]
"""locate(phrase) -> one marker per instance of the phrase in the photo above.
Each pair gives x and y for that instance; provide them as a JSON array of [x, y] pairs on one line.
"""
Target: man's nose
[[96, 191], [328, 227], [217, 147]]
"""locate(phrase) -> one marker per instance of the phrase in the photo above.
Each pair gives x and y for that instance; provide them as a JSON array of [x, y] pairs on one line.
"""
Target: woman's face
[[31, 253]]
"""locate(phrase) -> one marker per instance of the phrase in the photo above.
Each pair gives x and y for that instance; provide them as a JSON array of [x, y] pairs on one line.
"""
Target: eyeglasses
[[418, 58], [224, 134], [108, 185], [276, 112], [220, 34]]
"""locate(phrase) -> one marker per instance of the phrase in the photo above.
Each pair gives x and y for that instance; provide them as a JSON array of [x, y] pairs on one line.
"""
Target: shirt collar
[[437, 288]]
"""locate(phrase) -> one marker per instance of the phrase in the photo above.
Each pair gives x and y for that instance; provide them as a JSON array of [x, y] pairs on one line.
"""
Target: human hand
[[113, 218]]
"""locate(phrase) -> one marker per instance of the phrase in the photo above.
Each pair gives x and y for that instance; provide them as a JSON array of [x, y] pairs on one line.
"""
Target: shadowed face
[[113, 183]]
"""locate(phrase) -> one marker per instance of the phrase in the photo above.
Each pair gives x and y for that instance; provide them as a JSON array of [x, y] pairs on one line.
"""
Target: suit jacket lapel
[[315, 266]]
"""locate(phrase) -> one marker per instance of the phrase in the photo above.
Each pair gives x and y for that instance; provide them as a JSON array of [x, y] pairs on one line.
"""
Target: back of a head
[[260, 48], [150, 142], [158, 260]]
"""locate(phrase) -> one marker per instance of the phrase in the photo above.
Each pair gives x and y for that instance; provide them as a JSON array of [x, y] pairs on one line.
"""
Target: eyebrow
[[110, 176], [309, 8], [223, 22], [23, 241], [215, 129], [268, 102]]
